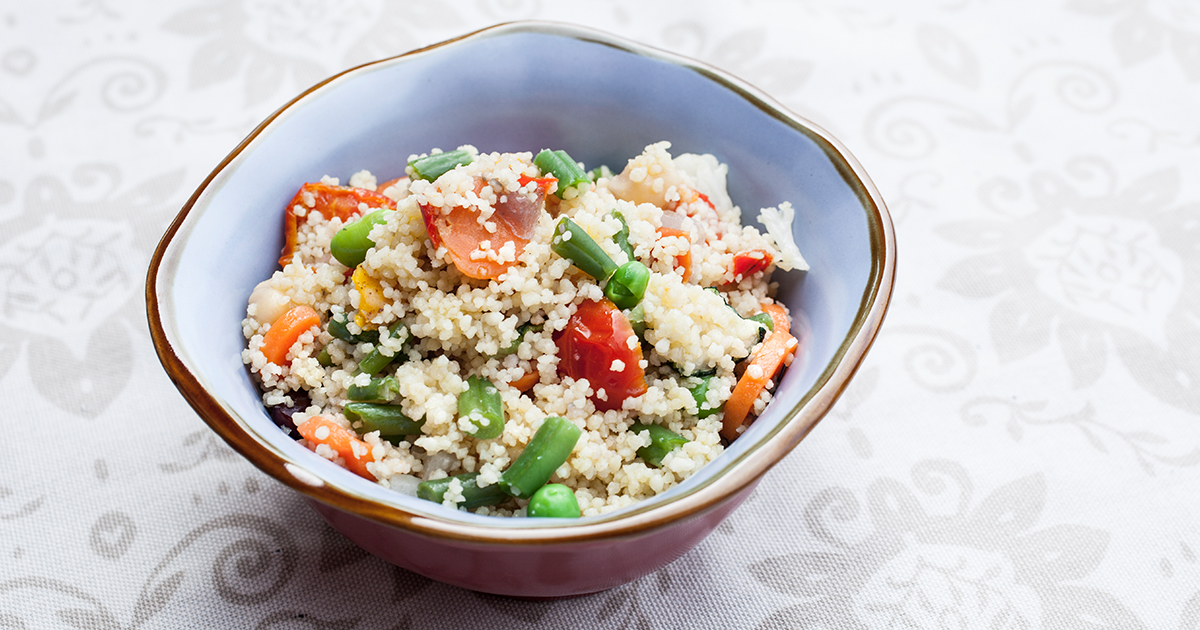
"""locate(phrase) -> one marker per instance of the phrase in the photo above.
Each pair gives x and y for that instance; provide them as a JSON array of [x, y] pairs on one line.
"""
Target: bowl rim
[[746, 469]]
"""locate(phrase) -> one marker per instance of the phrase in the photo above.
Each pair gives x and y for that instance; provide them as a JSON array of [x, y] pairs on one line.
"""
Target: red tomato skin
[[596, 335], [331, 201], [745, 264]]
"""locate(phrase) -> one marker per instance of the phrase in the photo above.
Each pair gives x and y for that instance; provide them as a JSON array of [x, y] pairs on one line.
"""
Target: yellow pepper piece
[[370, 297]]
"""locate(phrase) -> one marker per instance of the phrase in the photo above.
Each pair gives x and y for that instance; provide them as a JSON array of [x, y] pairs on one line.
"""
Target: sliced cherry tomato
[[683, 261], [749, 263], [459, 230], [597, 336], [331, 201]]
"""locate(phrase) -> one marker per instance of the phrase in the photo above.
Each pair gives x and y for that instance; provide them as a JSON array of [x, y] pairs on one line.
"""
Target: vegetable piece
[[482, 406], [349, 246], [563, 168], [371, 300], [628, 284], [600, 171], [549, 449], [323, 358], [389, 420], [764, 319], [553, 500], [376, 360], [662, 441], [599, 344], [622, 236], [637, 321], [684, 260], [280, 337], [473, 496], [527, 380], [379, 390], [281, 415], [434, 166], [573, 243], [355, 452], [337, 328], [514, 219], [749, 263], [762, 368], [331, 201], [700, 395], [516, 343]]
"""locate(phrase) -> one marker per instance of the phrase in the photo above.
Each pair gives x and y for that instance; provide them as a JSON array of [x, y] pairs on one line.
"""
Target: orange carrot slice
[[344, 442], [526, 381], [683, 261], [286, 330], [763, 366]]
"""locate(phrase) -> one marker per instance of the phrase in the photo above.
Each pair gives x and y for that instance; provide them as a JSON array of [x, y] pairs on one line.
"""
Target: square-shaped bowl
[[523, 87]]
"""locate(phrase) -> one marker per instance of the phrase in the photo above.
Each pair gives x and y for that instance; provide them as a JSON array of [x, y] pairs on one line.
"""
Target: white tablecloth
[[1020, 450]]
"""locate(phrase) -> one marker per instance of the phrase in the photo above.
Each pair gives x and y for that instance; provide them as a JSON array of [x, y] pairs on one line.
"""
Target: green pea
[[628, 284], [553, 500], [351, 243]]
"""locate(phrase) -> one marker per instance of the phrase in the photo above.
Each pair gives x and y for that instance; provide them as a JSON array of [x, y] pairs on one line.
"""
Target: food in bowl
[[509, 334]]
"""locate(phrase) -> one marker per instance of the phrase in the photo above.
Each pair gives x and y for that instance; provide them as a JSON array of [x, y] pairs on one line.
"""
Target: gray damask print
[[254, 558], [270, 45], [927, 553], [1095, 274], [1148, 448], [1144, 29]]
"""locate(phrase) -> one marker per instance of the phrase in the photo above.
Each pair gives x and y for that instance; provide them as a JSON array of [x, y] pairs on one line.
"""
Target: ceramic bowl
[[522, 87]]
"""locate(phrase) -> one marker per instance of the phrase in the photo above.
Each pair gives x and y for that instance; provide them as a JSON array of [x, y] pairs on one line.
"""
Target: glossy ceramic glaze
[[522, 87]]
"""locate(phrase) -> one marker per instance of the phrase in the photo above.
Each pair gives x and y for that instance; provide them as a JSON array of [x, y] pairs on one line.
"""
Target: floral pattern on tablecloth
[[1019, 451]]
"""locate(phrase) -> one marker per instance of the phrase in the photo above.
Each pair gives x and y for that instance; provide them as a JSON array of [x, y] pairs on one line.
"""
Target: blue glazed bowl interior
[[515, 90]]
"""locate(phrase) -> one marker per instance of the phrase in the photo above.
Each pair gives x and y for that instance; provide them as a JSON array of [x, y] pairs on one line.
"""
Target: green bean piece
[[434, 166], [600, 171], [622, 237], [700, 395], [351, 243], [573, 243], [482, 406], [323, 358], [628, 284], [563, 168], [662, 441], [473, 496], [516, 344], [388, 420], [379, 390], [553, 500], [765, 320], [376, 360], [337, 328], [637, 320], [549, 449]]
